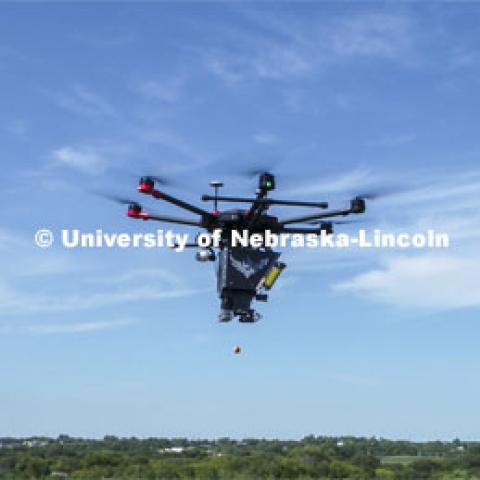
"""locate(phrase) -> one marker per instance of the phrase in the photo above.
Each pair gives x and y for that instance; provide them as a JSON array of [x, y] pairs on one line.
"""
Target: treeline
[[311, 458]]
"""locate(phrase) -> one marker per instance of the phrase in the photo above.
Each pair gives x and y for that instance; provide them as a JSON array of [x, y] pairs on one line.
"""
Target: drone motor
[[266, 182], [357, 205], [326, 228], [146, 185], [134, 210]]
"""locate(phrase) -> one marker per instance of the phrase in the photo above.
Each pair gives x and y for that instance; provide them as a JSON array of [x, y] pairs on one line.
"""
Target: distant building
[[34, 443], [55, 474], [173, 450]]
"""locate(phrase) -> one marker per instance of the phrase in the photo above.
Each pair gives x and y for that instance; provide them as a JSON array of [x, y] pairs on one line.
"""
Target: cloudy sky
[[339, 98]]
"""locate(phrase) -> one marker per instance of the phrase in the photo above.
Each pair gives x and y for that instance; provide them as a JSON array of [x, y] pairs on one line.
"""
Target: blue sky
[[341, 98]]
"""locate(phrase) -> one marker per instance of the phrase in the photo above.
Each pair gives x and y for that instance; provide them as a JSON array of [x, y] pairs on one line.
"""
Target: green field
[[404, 459]]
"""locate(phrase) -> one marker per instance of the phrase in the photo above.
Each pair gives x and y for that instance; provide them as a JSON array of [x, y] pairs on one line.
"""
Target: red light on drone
[[145, 188], [131, 212], [146, 185], [135, 211]]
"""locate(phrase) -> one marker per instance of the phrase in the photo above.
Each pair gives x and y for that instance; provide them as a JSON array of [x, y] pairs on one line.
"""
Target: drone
[[244, 273]]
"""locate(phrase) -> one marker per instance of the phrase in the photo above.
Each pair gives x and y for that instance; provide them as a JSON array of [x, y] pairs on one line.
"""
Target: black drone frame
[[253, 219], [243, 273]]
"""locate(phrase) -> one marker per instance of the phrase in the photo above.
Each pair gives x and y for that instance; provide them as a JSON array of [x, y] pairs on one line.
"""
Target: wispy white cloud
[[173, 154], [393, 140], [72, 328], [270, 62], [167, 91], [9, 240], [9, 54], [187, 156], [461, 57], [378, 35], [265, 138], [222, 67], [86, 159], [281, 49], [16, 301], [436, 282], [282, 62], [19, 258], [83, 101], [445, 201], [15, 127], [353, 180], [32, 282], [91, 157], [459, 187], [61, 328], [141, 274], [421, 193]]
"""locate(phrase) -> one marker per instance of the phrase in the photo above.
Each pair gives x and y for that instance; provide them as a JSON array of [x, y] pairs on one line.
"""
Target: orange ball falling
[[237, 349]]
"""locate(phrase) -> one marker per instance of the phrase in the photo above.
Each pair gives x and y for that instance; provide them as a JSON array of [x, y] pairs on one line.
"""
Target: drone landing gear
[[225, 315], [244, 316], [248, 316]]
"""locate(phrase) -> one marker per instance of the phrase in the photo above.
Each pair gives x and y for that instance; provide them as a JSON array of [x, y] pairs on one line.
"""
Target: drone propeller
[[123, 201], [134, 209], [165, 181], [248, 168], [381, 192], [117, 199], [372, 195], [146, 172], [256, 170]]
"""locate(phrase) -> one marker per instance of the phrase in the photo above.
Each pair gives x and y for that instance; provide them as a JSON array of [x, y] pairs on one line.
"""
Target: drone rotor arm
[[147, 187], [293, 203], [208, 198], [179, 203], [266, 201], [187, 245], [301, 231], [177, 220], [259, 205], [316, 216]]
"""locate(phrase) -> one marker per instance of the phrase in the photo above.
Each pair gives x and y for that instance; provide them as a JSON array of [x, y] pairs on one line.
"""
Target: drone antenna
[[216, 184]]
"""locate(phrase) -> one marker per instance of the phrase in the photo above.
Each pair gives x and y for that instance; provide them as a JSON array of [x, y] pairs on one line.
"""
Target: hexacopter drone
[[244, 273]]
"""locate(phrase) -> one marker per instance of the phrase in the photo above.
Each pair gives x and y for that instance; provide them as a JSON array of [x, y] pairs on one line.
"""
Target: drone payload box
[[243, 268]]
